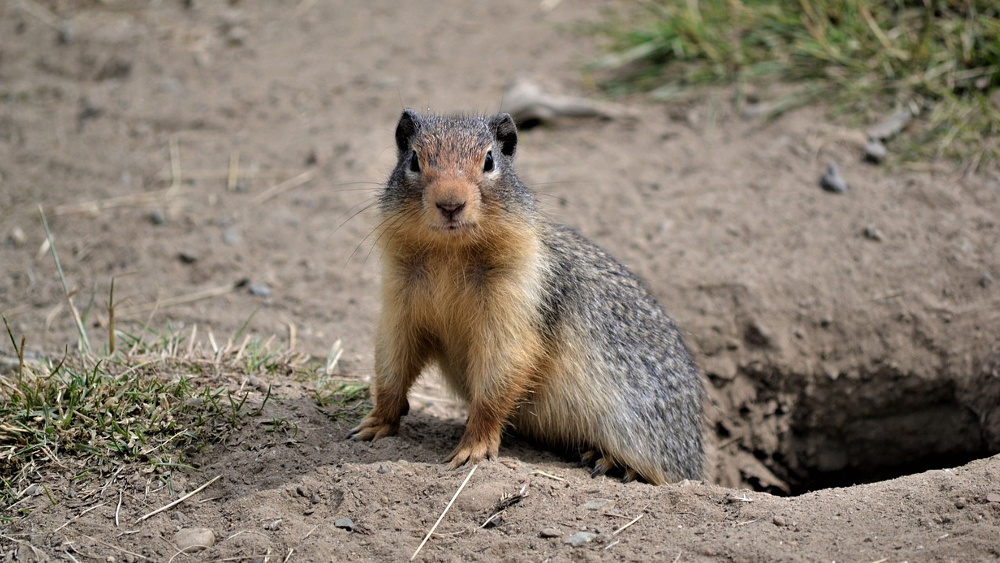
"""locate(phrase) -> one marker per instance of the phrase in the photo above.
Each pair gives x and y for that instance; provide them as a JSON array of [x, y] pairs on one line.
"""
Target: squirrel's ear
[[406, 129], [504, 130]]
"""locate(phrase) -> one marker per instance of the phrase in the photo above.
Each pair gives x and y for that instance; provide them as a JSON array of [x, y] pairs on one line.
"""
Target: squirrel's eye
[[414, 162], [488, 162]]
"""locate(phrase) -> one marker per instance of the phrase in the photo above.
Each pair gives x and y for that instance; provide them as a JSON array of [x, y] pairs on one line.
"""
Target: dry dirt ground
[[181, 147]]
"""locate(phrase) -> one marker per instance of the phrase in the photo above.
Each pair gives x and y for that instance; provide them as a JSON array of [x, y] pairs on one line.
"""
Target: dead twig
[[180, 500], [630, 522], [179, 300], [452, 501], [283, 187]]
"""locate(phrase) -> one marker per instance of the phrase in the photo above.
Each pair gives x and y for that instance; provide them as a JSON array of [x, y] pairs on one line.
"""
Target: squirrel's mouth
[[453, 228]]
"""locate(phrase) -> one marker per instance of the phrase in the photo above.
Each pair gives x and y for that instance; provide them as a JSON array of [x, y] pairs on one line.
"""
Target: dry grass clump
[[146, 407]]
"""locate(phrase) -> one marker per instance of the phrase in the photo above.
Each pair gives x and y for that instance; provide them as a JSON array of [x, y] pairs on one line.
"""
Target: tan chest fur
[[471, 307]]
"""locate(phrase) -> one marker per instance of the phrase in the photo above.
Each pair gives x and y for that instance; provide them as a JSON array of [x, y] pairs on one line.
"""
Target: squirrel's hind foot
[[604, 464]]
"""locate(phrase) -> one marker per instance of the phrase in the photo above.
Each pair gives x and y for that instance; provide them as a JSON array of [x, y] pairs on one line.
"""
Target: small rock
[[157, 217], [985, 280], [383, 469], [187, 257], [992, 497], [832, 181], [779, 521], [756, 334], [960, 502], [237, 35], [302, 491], [890, 126], [260, 289], [550, 533], [315, 498], [875, 151], [16, 237], [273, 526], [344, 524], [871, 232], [231, 236], [599, 504], [580, 538], [194, 539], [179, 516], [65, 36], [114, 68]]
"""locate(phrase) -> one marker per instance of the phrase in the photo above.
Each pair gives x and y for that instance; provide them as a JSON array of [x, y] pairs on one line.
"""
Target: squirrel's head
[[454, 175]]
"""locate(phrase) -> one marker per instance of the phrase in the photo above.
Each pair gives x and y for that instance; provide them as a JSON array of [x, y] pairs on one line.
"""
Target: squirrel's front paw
[[373, 428], [469, 451]]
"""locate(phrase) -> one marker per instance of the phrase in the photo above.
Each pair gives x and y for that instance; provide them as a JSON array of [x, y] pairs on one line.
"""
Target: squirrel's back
[[531, 324]]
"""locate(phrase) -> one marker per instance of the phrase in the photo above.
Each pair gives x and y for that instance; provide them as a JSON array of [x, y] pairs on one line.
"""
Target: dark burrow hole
[[787, 434]]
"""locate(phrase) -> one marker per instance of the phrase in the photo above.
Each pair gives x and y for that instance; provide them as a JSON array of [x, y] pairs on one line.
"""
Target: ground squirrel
[[530, 323]]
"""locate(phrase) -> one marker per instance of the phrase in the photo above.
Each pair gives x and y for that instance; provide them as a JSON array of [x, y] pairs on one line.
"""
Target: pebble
[[273, 526], [187, 257], [871, 232], [237, 35], [194, 539], [599, 504], [890, 126], [231, 236], [580, 538], [985, 280], [65, 35], [179, 516], [550, 533], [383, 469], [992, 497], [832, 181], [16, 237], [157, 217], [260, 289], [778, 520], [875, 151], [344, 524]]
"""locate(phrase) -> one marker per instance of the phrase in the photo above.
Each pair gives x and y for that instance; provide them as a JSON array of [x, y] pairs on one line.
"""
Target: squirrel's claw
[[371, 429], [472, 453]]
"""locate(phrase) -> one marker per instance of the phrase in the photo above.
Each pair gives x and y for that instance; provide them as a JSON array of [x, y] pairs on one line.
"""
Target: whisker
[[366, 205]]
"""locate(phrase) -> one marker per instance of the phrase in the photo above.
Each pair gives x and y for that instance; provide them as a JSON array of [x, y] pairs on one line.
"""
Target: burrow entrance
[[788, 434]]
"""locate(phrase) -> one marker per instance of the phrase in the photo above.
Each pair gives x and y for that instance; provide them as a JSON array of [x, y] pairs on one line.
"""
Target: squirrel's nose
[[450, 209]]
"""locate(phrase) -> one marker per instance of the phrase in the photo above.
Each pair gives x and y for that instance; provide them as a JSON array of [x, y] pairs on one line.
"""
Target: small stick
[[68, 522], [234, 171], [633, 521], [119, 508], [291, 336], [179, 300], [291, 550], [180, 500], [283, 187], [434, 527], [175, 166], [111, 319], [549, 475]]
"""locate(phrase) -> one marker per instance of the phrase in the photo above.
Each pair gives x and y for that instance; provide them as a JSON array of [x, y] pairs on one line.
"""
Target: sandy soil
[[844, 338]]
